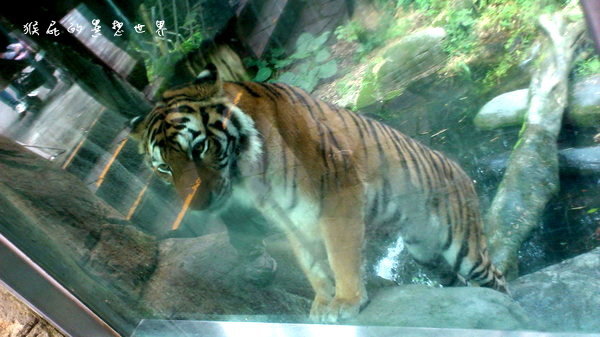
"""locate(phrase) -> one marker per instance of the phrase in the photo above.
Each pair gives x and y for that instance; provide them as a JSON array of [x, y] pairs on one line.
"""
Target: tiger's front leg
[[343, 228]]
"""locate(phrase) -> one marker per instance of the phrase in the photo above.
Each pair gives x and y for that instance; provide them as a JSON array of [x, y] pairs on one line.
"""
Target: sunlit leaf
[[263, 74], [322, 55], [328, 69]]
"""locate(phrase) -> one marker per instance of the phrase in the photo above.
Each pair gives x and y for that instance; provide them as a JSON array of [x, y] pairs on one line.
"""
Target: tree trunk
[[531, 177]]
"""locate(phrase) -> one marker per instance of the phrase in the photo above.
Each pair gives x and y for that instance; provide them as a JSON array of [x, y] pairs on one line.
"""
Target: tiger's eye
[[164, 168]]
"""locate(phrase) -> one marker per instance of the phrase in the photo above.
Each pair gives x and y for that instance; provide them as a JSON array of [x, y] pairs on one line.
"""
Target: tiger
[[327, 177]]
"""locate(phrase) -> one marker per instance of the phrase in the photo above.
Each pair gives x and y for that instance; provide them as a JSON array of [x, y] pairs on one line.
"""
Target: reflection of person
[[11, 101], [16, 52], [38, 72]]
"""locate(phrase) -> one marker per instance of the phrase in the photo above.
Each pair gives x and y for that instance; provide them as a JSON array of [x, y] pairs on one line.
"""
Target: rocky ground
[[18, 320]]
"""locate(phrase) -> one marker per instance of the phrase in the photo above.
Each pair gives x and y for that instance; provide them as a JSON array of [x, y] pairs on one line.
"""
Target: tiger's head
[[197, 139]]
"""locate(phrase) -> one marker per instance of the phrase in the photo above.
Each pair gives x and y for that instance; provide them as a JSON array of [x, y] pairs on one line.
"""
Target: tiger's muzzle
[[201, 188]]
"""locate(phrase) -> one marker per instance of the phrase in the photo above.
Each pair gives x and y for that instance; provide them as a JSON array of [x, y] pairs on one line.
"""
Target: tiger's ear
[[137, 125], [210, 75]]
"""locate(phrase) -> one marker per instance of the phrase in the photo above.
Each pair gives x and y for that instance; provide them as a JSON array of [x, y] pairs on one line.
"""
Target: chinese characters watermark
[[75, 28], [139, 28], [160, 28], [116, 25], [54, 31], [96, 29], [31, 28]]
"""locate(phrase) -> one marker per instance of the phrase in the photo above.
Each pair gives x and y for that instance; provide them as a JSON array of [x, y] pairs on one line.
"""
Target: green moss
[[368, 90]]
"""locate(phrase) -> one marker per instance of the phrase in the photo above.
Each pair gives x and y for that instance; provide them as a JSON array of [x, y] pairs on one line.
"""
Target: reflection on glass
[[357, 162]]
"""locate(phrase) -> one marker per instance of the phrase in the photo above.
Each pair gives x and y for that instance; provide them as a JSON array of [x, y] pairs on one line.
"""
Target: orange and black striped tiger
[[326, 176]]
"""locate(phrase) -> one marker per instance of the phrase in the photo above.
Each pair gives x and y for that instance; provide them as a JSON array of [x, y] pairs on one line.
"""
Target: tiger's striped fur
[[327, 176]]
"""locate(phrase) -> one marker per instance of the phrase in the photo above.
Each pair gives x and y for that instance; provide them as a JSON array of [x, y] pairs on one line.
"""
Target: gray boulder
[[505, 110], [577, 161], [585, 160], [584, 105], [565, 296], [455, 307], [509, 108]]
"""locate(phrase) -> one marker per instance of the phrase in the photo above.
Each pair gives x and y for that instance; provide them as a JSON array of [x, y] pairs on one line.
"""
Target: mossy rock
[[404, 61]]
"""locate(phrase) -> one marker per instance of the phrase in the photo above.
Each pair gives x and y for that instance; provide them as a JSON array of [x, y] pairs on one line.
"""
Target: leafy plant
[[311, 60], [183, 35], [268, 66], [311, 57], [590, 66], [314, 62], [350, 32], [433, 7], [460, 31]]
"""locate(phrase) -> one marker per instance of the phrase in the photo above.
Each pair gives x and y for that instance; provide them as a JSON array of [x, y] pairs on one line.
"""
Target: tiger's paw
[[335, 311]]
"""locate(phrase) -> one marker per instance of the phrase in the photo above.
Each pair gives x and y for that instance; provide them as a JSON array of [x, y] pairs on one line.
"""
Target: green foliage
[[516, 22], [589, 66], [473, 25], [190, 43], [432, 7], [267, 67], [314, 62], [459, 27], [350, 32], [182, 36], [311, 59]]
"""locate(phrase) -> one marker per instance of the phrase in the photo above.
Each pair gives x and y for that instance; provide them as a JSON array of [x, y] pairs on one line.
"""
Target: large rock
[[584, 107], [199, 277], [565, 296], [407, 60], [585, 160], [574, 161], [61, 225], [509, 108], [505, 110], [124, 255], [456, 307]]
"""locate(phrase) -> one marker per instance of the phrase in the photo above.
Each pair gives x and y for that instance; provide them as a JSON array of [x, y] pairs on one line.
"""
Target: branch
[[531, 177]]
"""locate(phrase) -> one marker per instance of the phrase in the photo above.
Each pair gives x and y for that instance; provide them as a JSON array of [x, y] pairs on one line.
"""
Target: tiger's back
[[426, 195], [327, 176]]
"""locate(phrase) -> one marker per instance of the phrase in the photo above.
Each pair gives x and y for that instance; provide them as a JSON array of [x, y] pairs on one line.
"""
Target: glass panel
[[363, 162]]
